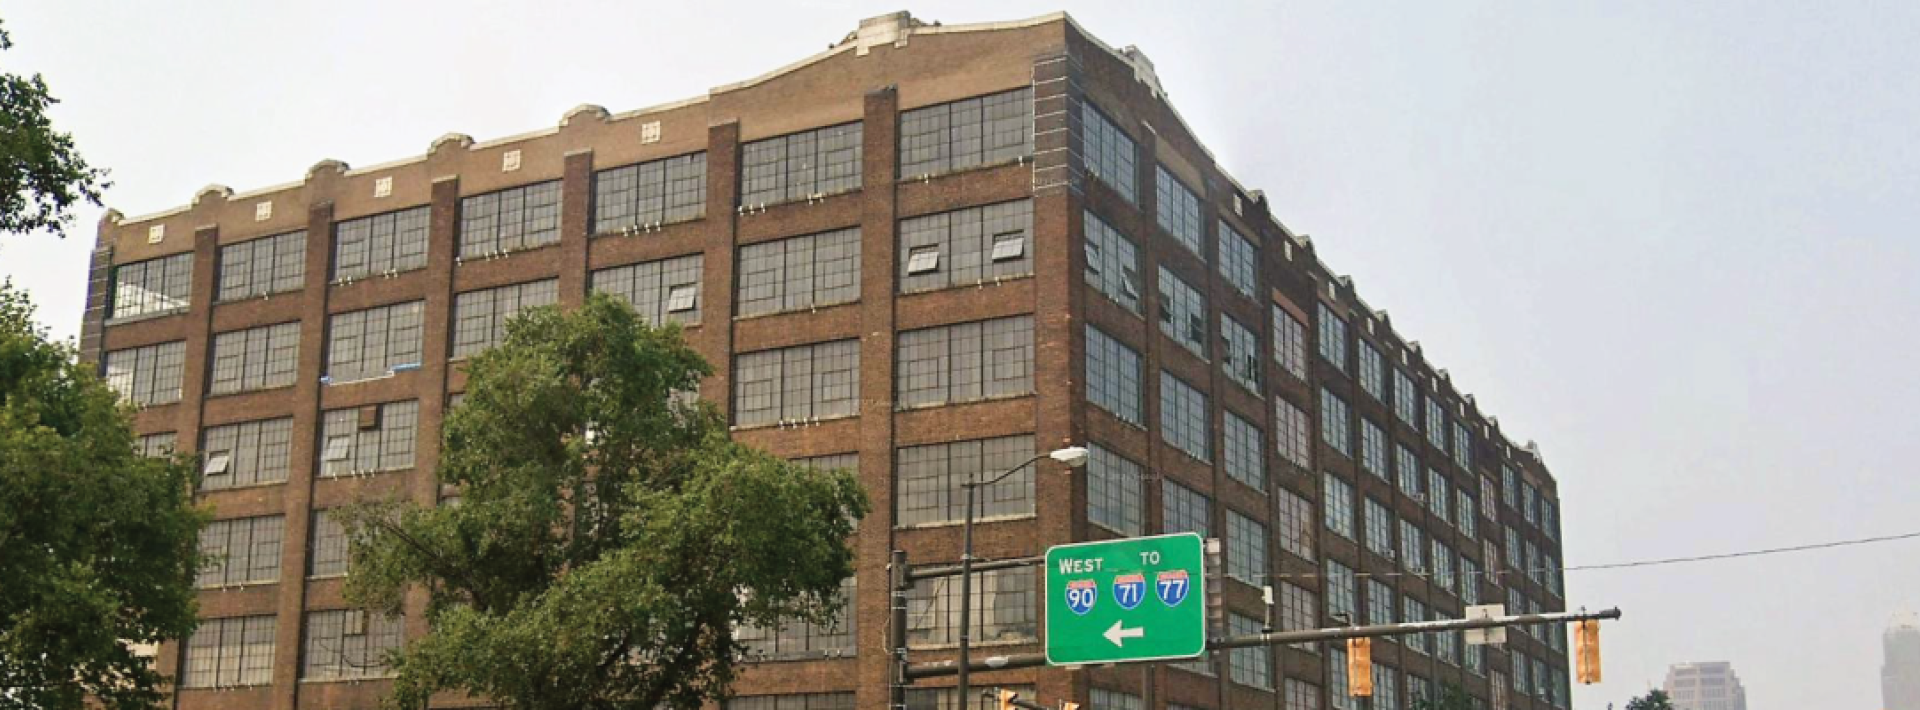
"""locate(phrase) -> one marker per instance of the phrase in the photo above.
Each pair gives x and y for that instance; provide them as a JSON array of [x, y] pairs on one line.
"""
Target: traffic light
[[1586, 651], [1006, 699], [1360, 667]]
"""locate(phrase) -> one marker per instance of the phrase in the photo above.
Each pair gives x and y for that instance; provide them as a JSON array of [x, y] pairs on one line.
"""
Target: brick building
[[928, 251]]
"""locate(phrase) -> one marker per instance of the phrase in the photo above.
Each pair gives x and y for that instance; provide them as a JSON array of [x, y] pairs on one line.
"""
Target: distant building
[[1705, 686], [1900, 674]]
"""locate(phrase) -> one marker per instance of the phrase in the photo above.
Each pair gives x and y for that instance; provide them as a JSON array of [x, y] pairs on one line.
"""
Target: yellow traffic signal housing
[[1360, 667], [1006, 699], [1586, 651]]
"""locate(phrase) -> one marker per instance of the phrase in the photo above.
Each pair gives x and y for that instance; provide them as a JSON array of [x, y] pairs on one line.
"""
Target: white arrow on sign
[[1117, 635]]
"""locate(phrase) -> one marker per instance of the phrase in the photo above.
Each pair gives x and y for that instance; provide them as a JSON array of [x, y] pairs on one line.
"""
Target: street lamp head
[[1072, 456]]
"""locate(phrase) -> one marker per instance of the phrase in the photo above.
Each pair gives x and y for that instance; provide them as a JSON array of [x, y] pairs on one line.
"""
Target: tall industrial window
[[1409, 468], [800, 273], [929, 480], [1373, 449], [664, 291], [651, 193], [1113, 376], [803, 639], [1296, 524], [245, 454], [1340, 595], [1103, 699], [1379, 528], [229, 652], [799, 701], [1335, 420], [380, 244], [375, 437], [983, 130], [1406, 399], [510, 220], [1251, 667], [155, 446], [326, 546], [1183, 417], [480, 317], [966, 247], [373, 342], [1183, 313], [1291, 433], [1289, 343], [346, 644], [1005, 609], [1462, 445], [965, 362], [240, 551], [1438, 494], [798, 383], [1239, 260], [1302, 695], [1113, 262], [162, 285], [1469, 580], [1437, 424], [1413, 611], [1246, 549], [1240, 354], [255, 358], [1413, 547], [1380, 602], [147, 375], [1108, 152], [1443, 557], [1333, 339], [263, 266], [1178, 210], [1386, 687], [1509, 487], [1183, 509], [802, 165], [1244, 460], [1338, 698], [1338, 499], [1549, 519], [1114, 486], [1372, 372], [1299, 611], [1464, 515]]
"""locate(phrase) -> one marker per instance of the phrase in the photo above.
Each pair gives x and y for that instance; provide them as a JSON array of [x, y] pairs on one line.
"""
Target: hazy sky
[[1673, 242]]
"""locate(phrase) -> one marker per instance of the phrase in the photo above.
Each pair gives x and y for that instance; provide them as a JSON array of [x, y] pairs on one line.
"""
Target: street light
[[1072, 457]]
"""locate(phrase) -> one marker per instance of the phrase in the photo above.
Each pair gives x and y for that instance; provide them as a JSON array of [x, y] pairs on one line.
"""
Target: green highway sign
[[1138, 599]]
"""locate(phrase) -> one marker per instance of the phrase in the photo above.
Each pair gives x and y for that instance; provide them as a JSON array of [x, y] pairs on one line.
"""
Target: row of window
[[974, 132], [342, 644]]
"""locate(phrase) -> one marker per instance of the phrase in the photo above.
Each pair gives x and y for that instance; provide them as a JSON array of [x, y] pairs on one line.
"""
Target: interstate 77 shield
[[1137, 599]]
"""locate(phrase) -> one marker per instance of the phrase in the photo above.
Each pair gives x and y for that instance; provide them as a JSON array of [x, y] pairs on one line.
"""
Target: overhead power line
[[1637, 563]]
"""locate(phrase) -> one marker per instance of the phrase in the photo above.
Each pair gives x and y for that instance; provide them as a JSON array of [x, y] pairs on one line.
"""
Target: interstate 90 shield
[[1081, 594]]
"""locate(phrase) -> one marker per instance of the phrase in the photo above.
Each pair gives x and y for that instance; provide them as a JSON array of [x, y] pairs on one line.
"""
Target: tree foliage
[[609, 533], [1450, 697], [97, 543], [1654, 700], [42, 175]]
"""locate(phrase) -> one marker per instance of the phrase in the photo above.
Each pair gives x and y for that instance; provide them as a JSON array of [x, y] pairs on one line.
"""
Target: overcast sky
[[1673, 242]]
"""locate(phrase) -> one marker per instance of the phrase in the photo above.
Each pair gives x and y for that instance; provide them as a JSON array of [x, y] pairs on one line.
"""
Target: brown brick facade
[[871, 78]]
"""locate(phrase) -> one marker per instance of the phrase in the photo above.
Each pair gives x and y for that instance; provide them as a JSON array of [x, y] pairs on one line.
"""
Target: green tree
[[1450, 697], [609, 534], [1653, 700], [42, 176], [97, 543]]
